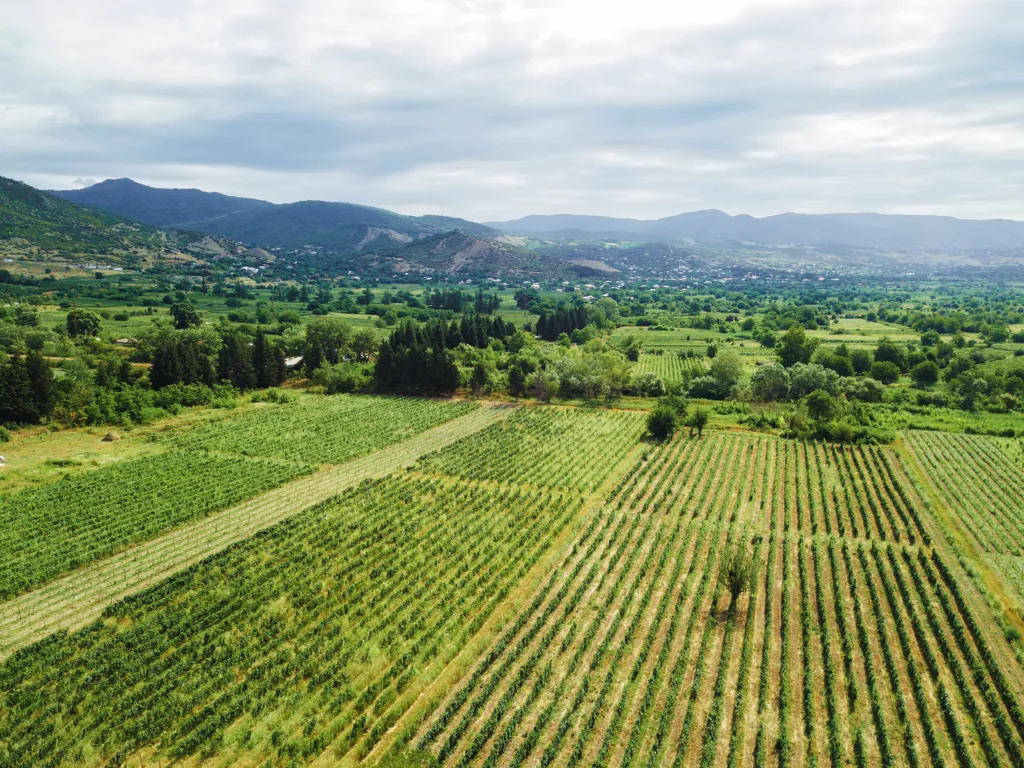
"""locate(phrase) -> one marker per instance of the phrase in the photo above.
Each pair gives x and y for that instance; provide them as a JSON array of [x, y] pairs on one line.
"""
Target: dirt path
[[79, 597]]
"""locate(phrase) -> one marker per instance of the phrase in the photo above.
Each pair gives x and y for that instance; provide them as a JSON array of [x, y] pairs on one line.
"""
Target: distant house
[[124, 342], [291, 363]]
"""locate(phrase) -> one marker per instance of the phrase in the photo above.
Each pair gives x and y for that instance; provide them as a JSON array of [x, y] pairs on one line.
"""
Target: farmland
[[980, 480], [548, 589], [670, 367]]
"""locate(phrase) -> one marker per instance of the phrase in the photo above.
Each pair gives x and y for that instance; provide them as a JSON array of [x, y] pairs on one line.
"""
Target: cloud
[[495, 109], [80, 182]]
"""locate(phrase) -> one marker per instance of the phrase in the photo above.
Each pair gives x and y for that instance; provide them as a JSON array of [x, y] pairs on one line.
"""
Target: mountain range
[[337, 226], [863, 230]]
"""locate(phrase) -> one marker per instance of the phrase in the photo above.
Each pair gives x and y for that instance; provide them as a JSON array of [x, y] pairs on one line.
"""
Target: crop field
[[982, 482], [56, 527], [320, 429], [670, 367], [545, 447], [550, 591]]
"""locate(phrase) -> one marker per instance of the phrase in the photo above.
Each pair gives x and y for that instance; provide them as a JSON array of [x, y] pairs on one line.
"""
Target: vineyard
[[544, 447], [319, 429], [549, 591], [979, 480], [670, 366], [57, 527]]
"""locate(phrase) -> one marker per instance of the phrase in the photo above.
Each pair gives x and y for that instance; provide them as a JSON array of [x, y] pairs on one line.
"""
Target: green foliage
[[885, 371], [795, 347], [81, 322], [661, 422], [770, 383], [699, 419]]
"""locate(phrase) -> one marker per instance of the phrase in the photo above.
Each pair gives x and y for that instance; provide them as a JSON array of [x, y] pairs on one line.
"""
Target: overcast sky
[[491, 110]]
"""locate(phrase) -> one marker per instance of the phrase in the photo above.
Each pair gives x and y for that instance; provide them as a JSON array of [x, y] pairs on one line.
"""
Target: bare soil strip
[[79, 597]]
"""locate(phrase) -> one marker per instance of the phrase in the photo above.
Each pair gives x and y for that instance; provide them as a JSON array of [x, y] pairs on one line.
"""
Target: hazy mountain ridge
[[856, 229]]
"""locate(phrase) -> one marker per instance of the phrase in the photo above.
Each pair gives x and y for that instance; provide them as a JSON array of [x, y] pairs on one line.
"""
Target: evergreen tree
[[234, 363], [17, 405], [42, 383]]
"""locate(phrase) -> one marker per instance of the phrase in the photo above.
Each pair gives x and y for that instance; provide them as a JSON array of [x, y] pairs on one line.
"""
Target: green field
[[552, 590], [318, 429]]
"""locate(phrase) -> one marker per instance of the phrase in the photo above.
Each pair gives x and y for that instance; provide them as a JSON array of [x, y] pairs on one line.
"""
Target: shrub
[[5, 434], [661, 422], [885, 371]]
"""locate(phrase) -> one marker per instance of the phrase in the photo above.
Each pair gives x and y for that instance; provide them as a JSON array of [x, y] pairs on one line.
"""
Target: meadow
[[553, 589]]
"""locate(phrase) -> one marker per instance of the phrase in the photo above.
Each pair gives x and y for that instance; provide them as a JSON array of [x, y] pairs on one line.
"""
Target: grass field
[[550, 591]]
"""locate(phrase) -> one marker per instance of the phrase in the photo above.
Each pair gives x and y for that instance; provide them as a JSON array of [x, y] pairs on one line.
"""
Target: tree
[[516, 380], [860, 359], [770, 383], [661, 422], [332, 335], [81, 323], [794, 347], [924, 373], [698, 420], [804, 379], [185, 316], [16, 401], [737, 572], [727, 367], [544, 384], [677, 403], [234, 363], [885, 371], [889, 351], [364, 344], [648, 384], [821, 406]]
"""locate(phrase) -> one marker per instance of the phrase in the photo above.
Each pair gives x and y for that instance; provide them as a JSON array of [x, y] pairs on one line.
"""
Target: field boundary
[[77, 598]]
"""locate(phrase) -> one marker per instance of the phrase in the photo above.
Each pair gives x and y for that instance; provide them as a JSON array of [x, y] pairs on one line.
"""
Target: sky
[[492, 109]]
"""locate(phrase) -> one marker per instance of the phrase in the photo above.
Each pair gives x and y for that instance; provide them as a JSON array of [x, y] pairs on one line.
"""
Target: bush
[[341, 378], [648, 385], [5, 434], [885, 371], [708, 388], [661, 422], [925, 373]]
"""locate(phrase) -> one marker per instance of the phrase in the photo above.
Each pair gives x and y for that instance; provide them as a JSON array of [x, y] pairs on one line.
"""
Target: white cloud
[[498, 108]]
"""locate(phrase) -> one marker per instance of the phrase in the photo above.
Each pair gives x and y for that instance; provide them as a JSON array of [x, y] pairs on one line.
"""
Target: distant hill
[[460, 253], [165, 208], [36, 222], [338, 226], [866, 230]]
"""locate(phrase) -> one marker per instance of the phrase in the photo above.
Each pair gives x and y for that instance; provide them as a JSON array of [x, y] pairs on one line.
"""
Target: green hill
[[38, 224], [32, 218]]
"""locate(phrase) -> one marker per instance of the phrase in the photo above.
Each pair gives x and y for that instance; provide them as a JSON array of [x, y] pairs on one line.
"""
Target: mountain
[[35, 219], [867, 230], [337, 226], [165, 208], [460, 253], [38, 223]]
